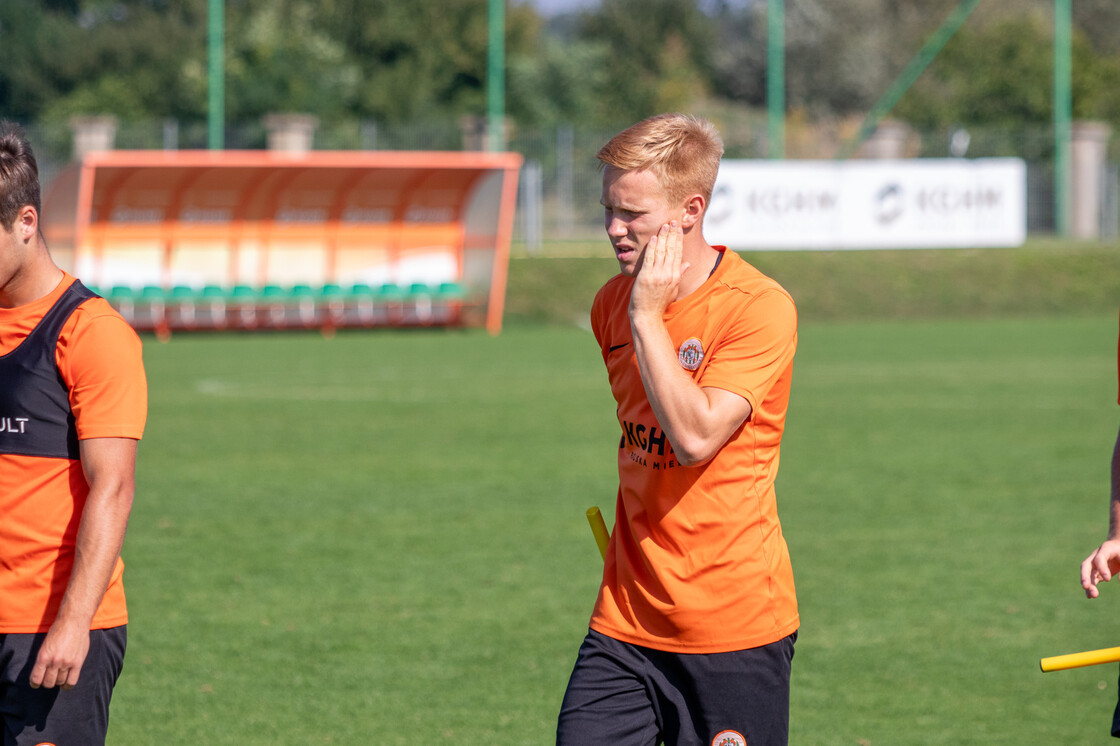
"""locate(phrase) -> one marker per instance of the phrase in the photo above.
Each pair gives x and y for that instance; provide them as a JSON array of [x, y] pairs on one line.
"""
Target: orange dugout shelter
[[320, 229]]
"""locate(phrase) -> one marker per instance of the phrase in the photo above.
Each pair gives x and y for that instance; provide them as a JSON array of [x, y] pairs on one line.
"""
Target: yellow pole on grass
[[599, 529], [1077, 660]]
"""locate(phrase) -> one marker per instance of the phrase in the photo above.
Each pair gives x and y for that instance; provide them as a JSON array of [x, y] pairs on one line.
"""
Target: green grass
[[1044, 277], [376, 538], [941, 482], [379, 538]]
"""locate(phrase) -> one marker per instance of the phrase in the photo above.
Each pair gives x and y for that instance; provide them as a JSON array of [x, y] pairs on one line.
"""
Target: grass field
[[379, 538], [1044, 277]]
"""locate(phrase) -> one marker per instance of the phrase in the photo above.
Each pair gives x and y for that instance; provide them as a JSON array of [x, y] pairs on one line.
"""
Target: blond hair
[[682, 151]]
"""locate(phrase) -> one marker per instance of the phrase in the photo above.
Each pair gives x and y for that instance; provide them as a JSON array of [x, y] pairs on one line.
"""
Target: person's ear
[[693, 211], [27, 222]]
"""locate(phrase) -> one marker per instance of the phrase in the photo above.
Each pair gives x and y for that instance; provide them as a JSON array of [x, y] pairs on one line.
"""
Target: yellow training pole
[[1077, 660], [599, 529]]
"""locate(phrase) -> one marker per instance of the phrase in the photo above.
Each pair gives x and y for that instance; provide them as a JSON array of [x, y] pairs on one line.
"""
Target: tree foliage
[[397, 61], [658, 54], [125, 58], [1000, 71]]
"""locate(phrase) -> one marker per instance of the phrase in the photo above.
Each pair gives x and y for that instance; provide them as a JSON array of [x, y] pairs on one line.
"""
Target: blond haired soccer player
[[73, 403], [1104, 562], [692, 635]]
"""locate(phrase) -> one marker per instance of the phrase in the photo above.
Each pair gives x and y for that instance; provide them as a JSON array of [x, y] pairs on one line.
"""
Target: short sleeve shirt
[[41, 499], [697, 560]]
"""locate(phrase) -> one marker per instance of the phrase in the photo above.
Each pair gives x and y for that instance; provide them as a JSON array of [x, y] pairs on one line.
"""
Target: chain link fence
[[559, 190]]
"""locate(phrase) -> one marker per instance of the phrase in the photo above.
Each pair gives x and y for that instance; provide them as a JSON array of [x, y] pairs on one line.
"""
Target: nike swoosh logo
[[617, 347]]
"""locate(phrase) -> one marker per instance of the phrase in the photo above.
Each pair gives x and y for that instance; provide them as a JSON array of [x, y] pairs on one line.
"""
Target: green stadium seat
[[333, 298], [305, 297], [391, 299], [390, 291], [361, 290], [451, 291], [213, 298], [244, 298], [331, 291], [151, 308], [420, 303], [181, 300], [275, 299], [123, 298], [362, 295], [448, 302], [153, 294]]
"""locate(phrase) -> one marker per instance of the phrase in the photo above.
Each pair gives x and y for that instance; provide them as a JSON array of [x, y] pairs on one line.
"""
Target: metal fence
[[560, 182]]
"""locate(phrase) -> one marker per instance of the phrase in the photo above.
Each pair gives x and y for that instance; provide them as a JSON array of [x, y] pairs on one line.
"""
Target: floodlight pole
[[1063, 114], [776, 78], [216, 112], [495, 76]]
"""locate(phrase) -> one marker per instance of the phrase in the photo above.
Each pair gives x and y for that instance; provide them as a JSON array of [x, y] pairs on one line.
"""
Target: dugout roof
[[263, 217]]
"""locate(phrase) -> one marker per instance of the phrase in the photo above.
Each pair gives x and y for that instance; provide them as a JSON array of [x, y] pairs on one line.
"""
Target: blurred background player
[[73, 404], [692, 634], [1104, 562]]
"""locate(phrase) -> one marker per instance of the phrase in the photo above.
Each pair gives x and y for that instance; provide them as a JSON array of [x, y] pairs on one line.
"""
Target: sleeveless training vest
[[35, 416]]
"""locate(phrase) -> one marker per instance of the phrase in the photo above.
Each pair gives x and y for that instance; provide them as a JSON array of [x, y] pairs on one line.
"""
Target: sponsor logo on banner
[[898, 204], [889, 204]]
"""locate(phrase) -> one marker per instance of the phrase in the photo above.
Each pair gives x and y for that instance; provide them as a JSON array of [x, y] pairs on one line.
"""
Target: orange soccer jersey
[[697, 562], [41, 499]]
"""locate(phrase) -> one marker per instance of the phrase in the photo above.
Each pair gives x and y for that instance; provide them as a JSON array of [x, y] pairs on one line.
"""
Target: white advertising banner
[[889, 204]]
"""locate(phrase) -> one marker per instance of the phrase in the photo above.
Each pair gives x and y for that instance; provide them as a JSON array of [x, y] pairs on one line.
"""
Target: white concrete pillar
[[887, 141], [93, 133], [1088, 151], [291, 133]]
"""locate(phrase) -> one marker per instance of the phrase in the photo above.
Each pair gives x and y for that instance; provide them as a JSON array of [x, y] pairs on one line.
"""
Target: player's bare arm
[[1104, 562], [109, 467], [698, 421]]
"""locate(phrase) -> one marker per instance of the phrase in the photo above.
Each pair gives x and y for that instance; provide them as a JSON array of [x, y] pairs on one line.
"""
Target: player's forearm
[[109, 465], [680, 406], [100, 538]]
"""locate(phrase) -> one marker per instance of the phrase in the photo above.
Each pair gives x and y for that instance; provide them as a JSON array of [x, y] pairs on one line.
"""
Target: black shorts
[[627, 695], [75, 717]]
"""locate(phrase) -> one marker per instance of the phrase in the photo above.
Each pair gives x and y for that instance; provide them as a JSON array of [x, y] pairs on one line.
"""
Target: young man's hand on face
[[659, 277]]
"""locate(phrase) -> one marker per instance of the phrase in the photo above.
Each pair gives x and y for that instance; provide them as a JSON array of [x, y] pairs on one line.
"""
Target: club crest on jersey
[[691, 354], [729, 738]]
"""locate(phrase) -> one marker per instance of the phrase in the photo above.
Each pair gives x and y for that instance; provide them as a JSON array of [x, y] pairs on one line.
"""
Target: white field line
[[230, 390]]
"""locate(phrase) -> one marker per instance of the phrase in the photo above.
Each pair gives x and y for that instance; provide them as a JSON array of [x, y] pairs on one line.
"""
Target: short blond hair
[[682, 151]]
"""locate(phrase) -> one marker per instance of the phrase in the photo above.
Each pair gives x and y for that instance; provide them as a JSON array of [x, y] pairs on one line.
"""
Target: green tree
[[423, 58], [386, 59], [659, 54], [565, 81], [271, 69], [1001, 73], [123, 57]]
